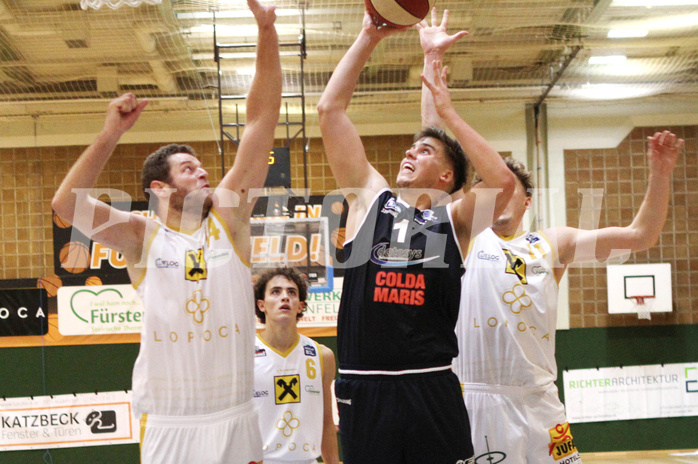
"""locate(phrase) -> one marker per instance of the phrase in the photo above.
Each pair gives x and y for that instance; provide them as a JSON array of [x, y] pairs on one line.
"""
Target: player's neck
[[507, 228], [280, 337], [182, 222]]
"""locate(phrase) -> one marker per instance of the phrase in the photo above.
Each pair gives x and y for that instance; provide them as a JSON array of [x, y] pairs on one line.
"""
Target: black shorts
[[403, 419]]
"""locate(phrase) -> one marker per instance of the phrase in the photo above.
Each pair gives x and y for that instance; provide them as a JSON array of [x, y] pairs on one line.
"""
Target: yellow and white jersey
[[288, 395], [508, 312], [197, 338]]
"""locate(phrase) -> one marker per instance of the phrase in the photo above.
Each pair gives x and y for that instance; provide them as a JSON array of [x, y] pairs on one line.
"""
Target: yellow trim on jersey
[[146, 253], [511, 237], [552, 248], [283, 355], [218, 216], [144, 419], [320, 355]]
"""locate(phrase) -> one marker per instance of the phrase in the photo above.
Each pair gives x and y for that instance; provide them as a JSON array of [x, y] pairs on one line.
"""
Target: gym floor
[[643, 457]]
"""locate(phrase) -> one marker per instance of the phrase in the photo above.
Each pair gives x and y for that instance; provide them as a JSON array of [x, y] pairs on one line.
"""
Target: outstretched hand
[[435, 38], [265, 15], [438, 88], [663, 149], [123, 112]]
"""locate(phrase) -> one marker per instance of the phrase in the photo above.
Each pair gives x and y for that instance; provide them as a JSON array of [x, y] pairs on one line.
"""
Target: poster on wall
[[99, 310], [67, 421], [631, 392]]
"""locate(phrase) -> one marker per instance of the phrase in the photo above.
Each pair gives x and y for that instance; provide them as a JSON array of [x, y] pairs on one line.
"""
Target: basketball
[[93, 280], [60, 222], [337, 207], [399, 12], [51, 284], [338, 237], [74, 257]]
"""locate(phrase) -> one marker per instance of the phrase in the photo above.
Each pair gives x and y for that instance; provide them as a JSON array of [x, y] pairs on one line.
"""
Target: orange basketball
[[51, 283], [338, 237], [337, 207], [63, 224], [93, 280], [74, 257]]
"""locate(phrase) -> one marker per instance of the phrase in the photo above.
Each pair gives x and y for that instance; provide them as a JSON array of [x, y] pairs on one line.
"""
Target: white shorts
[[271, 461], [523, 425], [227, 437]]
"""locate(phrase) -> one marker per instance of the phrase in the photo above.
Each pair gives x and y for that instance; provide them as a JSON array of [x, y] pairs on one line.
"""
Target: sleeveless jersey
[[506, 328], [288, 395], [401, 289], [198, 333]]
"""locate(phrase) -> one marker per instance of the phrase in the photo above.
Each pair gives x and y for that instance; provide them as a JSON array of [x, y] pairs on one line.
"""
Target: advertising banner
[[65, 421], [23, 312], [631, 392], [99, 310]]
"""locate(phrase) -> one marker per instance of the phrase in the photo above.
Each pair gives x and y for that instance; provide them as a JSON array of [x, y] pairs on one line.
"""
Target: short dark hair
[[260, 287], [519, 170], [157, 166], [454, 153]]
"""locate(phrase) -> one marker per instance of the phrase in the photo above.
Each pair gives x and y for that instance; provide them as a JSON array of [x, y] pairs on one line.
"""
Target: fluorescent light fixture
[[608, 59], [613, 91], [651, 3], [234, 14], [627, 33]]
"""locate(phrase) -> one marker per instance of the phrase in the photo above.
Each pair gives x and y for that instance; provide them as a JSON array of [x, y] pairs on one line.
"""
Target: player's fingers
[[434, 17]]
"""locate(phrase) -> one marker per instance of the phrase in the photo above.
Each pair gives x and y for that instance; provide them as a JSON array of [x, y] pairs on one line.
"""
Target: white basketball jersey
[[197, 337], [288, 395], [506, 325]]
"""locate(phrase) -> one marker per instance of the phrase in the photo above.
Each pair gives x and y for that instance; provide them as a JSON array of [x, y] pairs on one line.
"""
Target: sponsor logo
[[530, 238], [195, 265], [101, 421], [287, 389], [312, 390], [487, 256], [385, 255], [260, 393], [309, 350], [197, 305], [400, 288], [425, 216], [391, 207], [515, 265], [287, 424], [166, 264], [691, 385], [539, 270], [344, 401], [561, 442], [259, 352], [517, 299]]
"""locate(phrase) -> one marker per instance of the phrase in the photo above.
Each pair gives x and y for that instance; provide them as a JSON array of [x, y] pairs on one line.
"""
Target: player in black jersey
[[398, 398]]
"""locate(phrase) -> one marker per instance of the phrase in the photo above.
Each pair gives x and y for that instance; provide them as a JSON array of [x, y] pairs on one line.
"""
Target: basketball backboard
[[637, 288]]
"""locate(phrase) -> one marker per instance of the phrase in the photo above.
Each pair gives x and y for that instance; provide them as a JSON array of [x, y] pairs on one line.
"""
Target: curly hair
[[260, 288]]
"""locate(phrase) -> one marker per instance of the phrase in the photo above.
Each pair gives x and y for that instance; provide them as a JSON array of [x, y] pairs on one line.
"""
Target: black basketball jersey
[[401, 289]]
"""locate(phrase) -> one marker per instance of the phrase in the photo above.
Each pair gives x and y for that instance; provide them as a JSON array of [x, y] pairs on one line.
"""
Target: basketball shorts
[[227, 437], [405, 419], [524, 425]]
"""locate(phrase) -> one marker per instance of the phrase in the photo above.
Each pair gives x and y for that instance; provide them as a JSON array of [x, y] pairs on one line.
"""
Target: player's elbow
[[641, 239], [327, 110], [63, 206]]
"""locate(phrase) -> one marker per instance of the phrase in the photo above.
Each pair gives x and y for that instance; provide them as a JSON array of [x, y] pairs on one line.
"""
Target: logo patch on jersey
[[309, 350], [195, 269], [530, 238], [391, 207], [197, 305], [561, 442], [422, 217], [259, 352], [482, 254], [517, 299], [287, 389], [515, 265], [385, 255], [287, 424]]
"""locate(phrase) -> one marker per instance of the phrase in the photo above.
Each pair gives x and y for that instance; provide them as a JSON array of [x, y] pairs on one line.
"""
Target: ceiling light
[[626, 33], [651, 3], [608, 59], [613, 91]]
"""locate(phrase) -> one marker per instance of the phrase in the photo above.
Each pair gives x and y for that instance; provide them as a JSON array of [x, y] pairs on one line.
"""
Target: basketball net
[[114, 4], [642, 306]]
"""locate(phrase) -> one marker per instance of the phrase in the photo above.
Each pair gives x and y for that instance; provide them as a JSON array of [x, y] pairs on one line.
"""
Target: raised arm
[[343, 146], [328, 448], [119, 230], [435, 41], [576, 245], [496, 176], [251, 164]]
